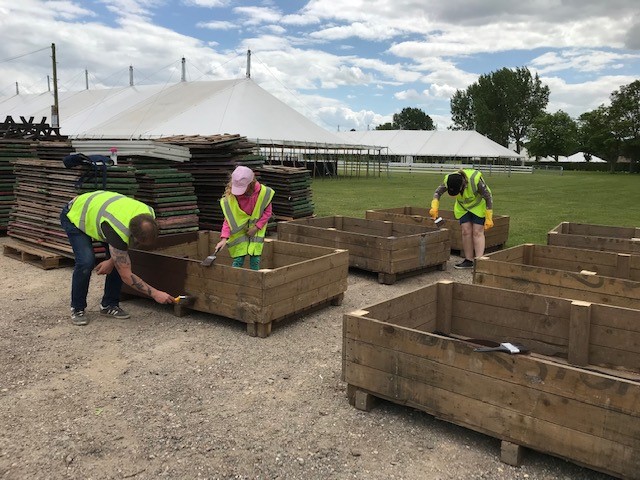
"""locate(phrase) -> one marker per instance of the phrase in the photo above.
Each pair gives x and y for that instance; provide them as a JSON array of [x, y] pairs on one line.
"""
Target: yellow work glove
[[488, 220], [435, 204]]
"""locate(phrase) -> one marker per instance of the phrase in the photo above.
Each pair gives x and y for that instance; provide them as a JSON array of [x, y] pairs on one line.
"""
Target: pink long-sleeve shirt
[[247, 204]]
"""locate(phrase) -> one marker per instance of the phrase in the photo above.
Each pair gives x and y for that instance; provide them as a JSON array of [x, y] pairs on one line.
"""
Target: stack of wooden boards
[[183, 184], [292, 187], [9, 150], [169, 192], [212, 159], [43, 185]]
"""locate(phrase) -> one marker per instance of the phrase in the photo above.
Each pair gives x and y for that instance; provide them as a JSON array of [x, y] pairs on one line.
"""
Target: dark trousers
[[85, 261]]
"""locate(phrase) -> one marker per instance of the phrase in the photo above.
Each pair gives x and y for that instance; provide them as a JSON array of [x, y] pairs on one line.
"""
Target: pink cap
[[240, 180]]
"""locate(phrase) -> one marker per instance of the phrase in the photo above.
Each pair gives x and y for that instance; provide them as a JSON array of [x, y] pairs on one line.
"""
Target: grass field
[[535, 202]]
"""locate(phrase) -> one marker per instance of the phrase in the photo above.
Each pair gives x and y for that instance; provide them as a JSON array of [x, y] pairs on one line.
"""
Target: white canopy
[[186, 108], [431, 143]]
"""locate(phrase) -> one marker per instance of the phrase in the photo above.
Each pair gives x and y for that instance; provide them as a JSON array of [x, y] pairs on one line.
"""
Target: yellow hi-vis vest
[[469, 200], [89, 210], [239, 243]]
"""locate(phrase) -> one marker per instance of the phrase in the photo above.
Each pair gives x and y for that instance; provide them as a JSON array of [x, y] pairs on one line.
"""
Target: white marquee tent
[[432, 143], [186, 108]]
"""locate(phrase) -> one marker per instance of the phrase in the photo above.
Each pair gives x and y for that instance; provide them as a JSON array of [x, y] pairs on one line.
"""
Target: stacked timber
[[292, 187], [169, 192], [10, 150], [212, 159], [43, 186]]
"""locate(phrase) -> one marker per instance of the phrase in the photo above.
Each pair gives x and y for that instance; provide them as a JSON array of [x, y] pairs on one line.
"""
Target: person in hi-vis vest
[[473, 208], [118, 222], [246, 206]]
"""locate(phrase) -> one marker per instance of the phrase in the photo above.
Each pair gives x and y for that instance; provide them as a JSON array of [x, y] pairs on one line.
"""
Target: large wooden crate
[[575, 396], [293, 278], [387, 248], [596, 237], [603, 277], [495, 238]]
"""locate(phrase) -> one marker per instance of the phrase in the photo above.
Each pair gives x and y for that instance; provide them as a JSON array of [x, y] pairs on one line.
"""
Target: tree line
[[508, 106]]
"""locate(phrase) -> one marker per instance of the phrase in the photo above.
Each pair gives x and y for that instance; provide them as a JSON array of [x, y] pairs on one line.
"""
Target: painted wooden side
[[494, 237], [293, 278], [595, 237], [530, 400]]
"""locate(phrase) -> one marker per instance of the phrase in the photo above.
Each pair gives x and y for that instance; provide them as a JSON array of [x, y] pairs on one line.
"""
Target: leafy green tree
[[553, 135], [409, 119], [413, 119], [625, 120], [595, 135], [501, 105]]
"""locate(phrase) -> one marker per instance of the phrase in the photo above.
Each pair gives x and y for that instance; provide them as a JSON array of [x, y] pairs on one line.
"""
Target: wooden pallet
[[35, 256]]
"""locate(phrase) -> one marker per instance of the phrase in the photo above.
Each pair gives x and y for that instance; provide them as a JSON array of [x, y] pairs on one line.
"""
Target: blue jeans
[[85, 261]]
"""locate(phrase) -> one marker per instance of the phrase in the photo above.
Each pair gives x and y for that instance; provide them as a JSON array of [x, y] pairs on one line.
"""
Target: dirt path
[[158, 396]]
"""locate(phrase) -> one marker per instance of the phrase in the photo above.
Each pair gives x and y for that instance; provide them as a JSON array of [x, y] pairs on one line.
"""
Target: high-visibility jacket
[[239, 243], [469, 200], [90, 209]]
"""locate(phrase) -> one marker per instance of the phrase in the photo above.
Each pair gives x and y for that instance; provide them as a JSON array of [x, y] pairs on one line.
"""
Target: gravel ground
[[159, 396]]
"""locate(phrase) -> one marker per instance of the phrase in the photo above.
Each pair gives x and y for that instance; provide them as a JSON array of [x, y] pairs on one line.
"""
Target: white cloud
[[582, 61], [575, 99], [68, 10], [376, 32], [207, 3], [217, 25], [258, 15]]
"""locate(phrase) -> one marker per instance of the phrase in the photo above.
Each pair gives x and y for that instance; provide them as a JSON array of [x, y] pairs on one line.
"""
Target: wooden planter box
[[495, 237], [573, 409], [589, 275], [293, 278], [387, 248], [596, 237]]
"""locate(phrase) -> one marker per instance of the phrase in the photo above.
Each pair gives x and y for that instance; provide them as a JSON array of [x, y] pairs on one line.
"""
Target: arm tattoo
[[121, 257], [140, 285]]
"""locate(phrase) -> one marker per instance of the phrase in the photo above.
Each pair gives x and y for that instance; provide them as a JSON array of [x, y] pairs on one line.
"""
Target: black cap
[[454, 184]]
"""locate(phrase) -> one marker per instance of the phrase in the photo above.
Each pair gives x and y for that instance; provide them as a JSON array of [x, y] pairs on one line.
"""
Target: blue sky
[[343, 64]]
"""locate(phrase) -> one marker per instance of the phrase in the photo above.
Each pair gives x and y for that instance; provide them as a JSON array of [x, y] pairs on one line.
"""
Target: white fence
[[393, 167]]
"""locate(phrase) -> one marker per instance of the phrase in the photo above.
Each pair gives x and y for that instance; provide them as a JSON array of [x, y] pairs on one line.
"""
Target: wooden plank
[[514, 426], [623, 266], [35, 256], [579, 332], [541, 277], [444, 306], [513, 394], [544, 373], [422, 298]]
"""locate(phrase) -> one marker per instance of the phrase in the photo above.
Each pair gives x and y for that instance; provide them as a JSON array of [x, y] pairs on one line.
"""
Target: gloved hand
[[488, 220], [435, 204]]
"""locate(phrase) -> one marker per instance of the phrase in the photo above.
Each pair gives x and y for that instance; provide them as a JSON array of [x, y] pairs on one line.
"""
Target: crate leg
[[337, 300], [387, 278], [179, 310], [361, 400], [511, 453], [442, 267], [261, 330]]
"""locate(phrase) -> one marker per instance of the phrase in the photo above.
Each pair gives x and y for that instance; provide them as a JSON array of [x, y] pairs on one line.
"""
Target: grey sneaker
[[78, 317], [114, 311], [466, 263]]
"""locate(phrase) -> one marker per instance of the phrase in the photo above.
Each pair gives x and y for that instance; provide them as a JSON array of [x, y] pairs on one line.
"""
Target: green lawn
[[535, 202]]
